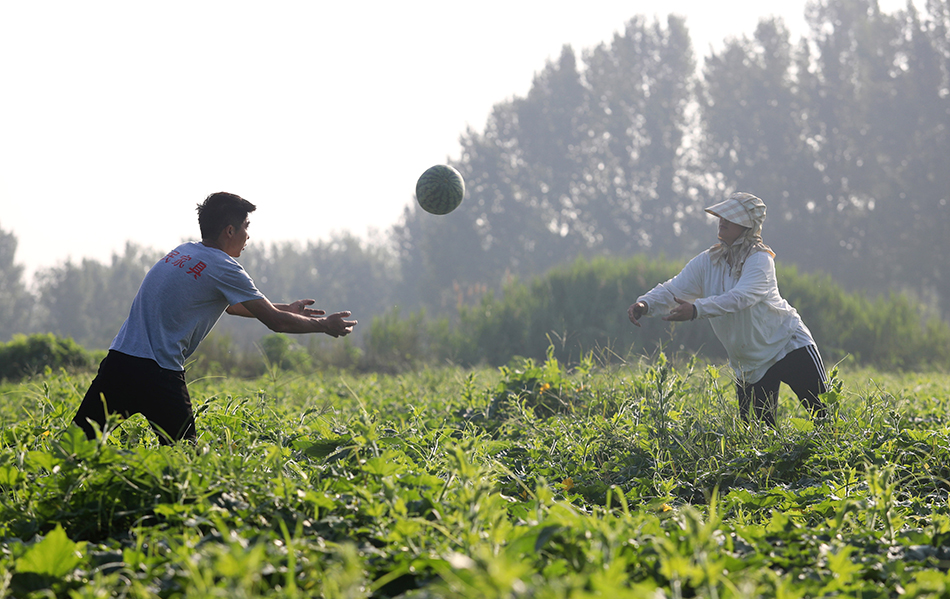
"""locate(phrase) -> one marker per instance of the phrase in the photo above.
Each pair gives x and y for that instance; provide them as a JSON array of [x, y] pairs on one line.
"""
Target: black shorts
[[127, 385], [802, 370]]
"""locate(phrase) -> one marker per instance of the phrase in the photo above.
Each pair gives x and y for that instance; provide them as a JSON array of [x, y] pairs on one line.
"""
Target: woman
[[733, 284]]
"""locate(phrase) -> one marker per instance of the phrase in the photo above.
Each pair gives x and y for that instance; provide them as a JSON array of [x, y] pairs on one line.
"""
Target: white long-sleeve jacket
[[752, 321]]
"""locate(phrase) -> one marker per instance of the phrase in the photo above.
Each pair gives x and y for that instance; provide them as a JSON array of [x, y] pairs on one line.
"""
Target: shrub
[[887, 332], [580, 307], [220, 355], [280, 351], [397, 345], [28, 355]]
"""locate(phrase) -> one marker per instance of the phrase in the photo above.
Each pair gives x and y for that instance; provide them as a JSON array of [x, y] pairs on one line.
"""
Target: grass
[[532, 480]]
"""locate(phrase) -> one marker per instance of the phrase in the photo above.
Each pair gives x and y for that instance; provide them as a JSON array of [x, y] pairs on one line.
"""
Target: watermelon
[[440, 189]]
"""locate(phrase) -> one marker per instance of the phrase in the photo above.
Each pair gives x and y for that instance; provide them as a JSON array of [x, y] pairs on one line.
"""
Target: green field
[[533, 480]]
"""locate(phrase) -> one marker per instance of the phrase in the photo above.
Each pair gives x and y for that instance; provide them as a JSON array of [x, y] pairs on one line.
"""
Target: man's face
[[729, 231], [237, 239]]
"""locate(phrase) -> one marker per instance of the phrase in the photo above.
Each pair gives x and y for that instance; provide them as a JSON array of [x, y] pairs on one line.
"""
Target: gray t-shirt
[[179, 301]]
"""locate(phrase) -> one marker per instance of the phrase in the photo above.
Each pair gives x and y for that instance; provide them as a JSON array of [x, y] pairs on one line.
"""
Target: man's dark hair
[[220, 210]]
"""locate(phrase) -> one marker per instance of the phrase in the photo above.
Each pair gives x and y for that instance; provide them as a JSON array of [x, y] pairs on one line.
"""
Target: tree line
[[575, 313], [614, 151]]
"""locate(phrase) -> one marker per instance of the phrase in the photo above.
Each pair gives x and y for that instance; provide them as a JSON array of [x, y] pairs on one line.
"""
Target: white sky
[[118, 117]]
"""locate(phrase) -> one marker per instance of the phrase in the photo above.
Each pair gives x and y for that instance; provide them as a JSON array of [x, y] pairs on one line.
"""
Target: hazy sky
[[117, 118]]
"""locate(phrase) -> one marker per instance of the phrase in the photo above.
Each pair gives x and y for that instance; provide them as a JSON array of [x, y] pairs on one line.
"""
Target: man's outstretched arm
[[295, 317]]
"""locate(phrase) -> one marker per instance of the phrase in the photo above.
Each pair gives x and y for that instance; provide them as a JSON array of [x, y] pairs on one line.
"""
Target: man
[[180, 299], [733, 284]]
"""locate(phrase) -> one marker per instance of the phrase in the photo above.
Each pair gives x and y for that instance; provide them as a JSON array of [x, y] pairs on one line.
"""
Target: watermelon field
[[530, 480]]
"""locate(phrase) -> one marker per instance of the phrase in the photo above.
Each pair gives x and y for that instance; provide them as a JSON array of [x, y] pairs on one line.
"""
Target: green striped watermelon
[[440, 189]]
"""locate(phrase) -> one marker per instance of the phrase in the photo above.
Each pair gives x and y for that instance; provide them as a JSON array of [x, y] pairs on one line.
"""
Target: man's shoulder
[[201, 263], [184, 251]]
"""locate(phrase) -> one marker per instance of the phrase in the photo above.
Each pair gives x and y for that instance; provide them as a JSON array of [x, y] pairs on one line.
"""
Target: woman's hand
[[636, 312], [682, 312]]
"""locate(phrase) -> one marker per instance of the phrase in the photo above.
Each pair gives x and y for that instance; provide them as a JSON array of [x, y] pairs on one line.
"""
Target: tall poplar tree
[[15, 301]]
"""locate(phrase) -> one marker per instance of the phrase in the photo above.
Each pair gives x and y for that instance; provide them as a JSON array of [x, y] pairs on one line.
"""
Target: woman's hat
[[741, 208]]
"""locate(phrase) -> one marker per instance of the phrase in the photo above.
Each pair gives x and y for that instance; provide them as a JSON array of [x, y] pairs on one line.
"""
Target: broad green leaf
[[73, 443], [318, 499], [322, 449], [56, 555], [41, 460], [10, 475], [802, 425], [383, 465], [532, 541]]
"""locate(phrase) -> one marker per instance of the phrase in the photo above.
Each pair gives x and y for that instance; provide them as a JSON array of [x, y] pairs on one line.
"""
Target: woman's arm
[[687, 285], [755, 284]]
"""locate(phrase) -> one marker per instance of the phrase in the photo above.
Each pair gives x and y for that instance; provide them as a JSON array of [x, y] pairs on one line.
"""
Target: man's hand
[[300, 307], [295, 317], [684, 311], [636, 312], [337, 326]]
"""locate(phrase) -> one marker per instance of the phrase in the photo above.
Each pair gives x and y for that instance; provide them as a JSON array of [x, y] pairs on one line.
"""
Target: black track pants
[[802, 370], [133, 385]]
